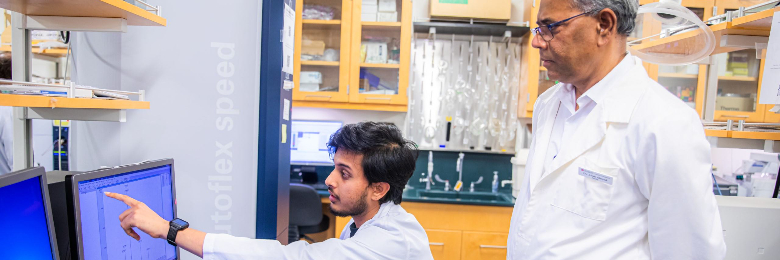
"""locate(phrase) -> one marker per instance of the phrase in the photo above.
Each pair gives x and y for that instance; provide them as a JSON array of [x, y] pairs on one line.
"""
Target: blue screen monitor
[[25, 216], [309, 144], [95, 217]]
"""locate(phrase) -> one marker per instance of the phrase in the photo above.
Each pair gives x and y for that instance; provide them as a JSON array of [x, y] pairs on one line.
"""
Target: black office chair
[[305, 213]]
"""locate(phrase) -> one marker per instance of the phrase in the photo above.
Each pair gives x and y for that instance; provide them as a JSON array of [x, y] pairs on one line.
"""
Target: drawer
[[484, 245], [445, 244]]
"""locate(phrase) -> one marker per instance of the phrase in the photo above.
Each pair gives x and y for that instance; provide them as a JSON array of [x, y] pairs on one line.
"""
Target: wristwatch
[[176, 226]]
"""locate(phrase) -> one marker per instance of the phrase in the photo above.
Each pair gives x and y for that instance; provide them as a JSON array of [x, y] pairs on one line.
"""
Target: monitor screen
[[101, 235], [309, 143], [25, 218]]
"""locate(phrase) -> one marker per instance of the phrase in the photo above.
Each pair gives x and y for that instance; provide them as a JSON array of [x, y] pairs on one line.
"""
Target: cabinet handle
[[736, 116], [490, 246], [435, 244], [318, 96]]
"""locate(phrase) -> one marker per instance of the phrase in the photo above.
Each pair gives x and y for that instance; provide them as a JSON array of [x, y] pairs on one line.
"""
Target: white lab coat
[[391, 234], [652, 148]]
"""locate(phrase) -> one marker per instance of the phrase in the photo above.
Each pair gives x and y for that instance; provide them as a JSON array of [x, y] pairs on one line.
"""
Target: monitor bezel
[[311, 163], [73, 180], [29, 173]]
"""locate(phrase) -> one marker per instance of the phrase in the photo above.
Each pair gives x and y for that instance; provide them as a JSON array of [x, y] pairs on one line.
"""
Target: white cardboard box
[[369, 9], [368, 17], [369, 2], [387, 5], [308, 87], [311, 77], [376, 52], [387, 17]]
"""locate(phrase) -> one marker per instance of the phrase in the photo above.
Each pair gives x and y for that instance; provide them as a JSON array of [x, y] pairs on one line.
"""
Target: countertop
[[450, 197]]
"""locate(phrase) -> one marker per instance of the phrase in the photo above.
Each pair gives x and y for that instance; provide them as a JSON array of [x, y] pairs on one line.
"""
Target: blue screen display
[[102, 236], [23, 222]]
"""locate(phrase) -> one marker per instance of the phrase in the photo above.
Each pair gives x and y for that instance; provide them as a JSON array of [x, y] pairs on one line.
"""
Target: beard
[[358, 208]]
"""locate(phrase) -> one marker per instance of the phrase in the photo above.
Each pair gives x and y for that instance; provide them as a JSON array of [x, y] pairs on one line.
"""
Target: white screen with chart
[[310, 141], [102, 236]]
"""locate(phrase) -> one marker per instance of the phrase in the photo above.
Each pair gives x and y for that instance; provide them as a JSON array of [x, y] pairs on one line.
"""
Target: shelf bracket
[[742, 41], [760, 46], [78, 114], [67, 23]]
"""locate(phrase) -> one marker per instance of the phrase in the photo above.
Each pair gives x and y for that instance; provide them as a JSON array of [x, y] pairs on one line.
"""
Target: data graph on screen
[[102, 235]]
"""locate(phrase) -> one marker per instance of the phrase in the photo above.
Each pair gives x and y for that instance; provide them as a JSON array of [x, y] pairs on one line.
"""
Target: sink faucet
[[471, 189], [428, 181], [459, 168], [505, 182], [446, 183]]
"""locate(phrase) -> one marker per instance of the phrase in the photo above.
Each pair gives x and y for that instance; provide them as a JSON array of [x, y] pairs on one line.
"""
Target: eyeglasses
[[546, 30]]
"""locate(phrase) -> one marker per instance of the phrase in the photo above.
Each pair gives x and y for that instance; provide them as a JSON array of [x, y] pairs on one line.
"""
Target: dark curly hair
[[387, 156]]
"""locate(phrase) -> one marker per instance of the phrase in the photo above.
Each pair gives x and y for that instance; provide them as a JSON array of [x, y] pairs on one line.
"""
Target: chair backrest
[[305, 205]]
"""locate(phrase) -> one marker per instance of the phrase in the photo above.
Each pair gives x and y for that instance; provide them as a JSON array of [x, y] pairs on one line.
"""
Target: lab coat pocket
[[586, 190]]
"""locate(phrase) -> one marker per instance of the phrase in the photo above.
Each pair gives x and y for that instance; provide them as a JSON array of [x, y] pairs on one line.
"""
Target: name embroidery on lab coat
[[595, 176]]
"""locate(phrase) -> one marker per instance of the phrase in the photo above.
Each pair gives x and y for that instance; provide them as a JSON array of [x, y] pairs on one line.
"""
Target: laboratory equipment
[[430, 171], [309, 141], [495, 182], [759, 175], [26, 217], [94, 217], [459, 168], [674, 19], [750, 227]]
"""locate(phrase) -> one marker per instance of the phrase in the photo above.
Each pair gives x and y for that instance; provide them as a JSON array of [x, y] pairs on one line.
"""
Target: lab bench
[[460, 225]]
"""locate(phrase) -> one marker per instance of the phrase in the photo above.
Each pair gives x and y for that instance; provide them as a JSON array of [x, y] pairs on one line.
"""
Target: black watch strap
[[176, 225], [172, 232]]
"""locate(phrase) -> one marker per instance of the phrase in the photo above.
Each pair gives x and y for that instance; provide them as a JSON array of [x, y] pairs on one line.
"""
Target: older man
[[619, 168]]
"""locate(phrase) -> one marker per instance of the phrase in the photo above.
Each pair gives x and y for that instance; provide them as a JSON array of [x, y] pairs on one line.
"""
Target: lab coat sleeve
[[673, 171], [227, 247]]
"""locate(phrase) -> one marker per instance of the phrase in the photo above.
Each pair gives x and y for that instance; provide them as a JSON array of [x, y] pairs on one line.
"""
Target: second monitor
[[95, 217]]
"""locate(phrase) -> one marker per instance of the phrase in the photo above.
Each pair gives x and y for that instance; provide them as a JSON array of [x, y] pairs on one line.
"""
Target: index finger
[[121, 197]]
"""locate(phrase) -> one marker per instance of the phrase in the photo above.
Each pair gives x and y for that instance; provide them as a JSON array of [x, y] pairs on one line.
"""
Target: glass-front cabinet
[[738, 85], [380, 44], [352, 52], [687, 82], [322, 50]]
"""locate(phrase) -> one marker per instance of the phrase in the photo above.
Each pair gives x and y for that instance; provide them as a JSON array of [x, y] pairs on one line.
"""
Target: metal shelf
[[477, 29]]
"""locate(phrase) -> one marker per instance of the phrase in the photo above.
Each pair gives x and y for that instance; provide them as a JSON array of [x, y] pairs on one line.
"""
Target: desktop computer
[[309, 144], [93, 218], [26, 217]]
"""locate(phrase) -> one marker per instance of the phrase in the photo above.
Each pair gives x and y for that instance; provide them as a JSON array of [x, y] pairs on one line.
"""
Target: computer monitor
[[25, 216], [95, 217], [309, 142]]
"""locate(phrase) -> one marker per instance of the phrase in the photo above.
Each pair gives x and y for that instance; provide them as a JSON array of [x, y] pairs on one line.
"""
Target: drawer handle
[[490, 246], [373, 98], [736, 116], [435, 244]]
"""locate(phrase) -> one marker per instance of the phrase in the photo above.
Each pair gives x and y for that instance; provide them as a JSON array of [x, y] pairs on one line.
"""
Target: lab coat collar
[[384, 209], [616, 96]]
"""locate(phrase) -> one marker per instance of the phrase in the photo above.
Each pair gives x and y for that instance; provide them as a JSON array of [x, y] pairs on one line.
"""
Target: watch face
[[178, 223]]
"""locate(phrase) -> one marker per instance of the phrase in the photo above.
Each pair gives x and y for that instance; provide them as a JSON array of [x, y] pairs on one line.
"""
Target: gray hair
[[625, 10]]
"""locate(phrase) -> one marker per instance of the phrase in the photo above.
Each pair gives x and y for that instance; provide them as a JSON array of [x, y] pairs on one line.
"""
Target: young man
[[373, 164]]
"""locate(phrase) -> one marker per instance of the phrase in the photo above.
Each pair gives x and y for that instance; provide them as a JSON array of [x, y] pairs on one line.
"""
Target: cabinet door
[[738, 75], [322, 50], [380, 53], [731, 5], [341, 222], [687, 82], [445, 244], [484, 245]]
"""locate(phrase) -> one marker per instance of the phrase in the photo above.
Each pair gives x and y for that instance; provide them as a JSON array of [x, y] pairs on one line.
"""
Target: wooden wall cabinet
[[330, 65]]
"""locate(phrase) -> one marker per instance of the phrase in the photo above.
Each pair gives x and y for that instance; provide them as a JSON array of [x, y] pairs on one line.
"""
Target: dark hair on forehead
[[387, 155]]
